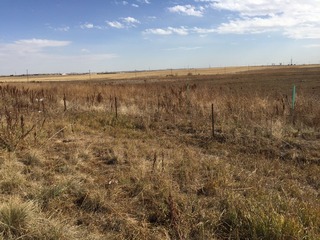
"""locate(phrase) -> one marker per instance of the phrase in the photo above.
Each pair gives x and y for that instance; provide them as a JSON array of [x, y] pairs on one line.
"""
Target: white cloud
[[295, 18], [90, 26], [130, 21], [152, 18], [256, 25], [182, 31], [126, 22], [84, 50], [158, 31], [87, 25], [115, 24], [63, 29], [144, 1], [134, 5], [250, 7], [167, 31], [179, 31], [30, 46], [304, 32], [40, 43], [124, 3], [188, 10], [203, 30], [59, 29]]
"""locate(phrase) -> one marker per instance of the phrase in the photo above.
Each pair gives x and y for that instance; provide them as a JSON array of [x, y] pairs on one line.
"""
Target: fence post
[[65, 102], [188, 104], [293, 103], [293, 97], [116, 106], [212, 120], [22, 125]]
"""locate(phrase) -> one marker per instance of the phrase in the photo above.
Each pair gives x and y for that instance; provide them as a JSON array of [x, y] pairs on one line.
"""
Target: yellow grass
[[142, 74]]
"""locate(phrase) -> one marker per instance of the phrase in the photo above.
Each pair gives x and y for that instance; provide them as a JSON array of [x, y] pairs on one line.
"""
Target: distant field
[[147, 74]]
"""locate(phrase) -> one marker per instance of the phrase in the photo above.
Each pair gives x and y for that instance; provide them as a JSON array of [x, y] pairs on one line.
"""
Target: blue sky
[[52, 36]]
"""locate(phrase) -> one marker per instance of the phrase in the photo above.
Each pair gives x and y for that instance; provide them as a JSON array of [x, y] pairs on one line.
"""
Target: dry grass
[[153, 170], [138, 75]]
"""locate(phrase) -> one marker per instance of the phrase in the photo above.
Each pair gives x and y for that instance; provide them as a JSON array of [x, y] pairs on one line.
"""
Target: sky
[[63, 36]]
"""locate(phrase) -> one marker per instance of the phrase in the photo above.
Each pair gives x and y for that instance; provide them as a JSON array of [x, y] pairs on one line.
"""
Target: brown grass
[[154, 171]]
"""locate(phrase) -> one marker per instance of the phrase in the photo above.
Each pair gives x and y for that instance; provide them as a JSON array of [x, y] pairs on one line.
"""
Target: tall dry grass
[[153, 171]]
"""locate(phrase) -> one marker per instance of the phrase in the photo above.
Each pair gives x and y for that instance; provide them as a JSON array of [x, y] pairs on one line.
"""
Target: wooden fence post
[[116, 106], [65, 102], [212, 120], [293, 103]]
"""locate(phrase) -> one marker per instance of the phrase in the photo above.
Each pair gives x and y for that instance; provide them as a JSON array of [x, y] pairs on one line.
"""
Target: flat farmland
[[128, 75], [146, 74], [219, 153]]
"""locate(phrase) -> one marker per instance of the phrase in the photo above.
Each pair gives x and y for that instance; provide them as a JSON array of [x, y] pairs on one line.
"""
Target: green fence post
[[293, 96]]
